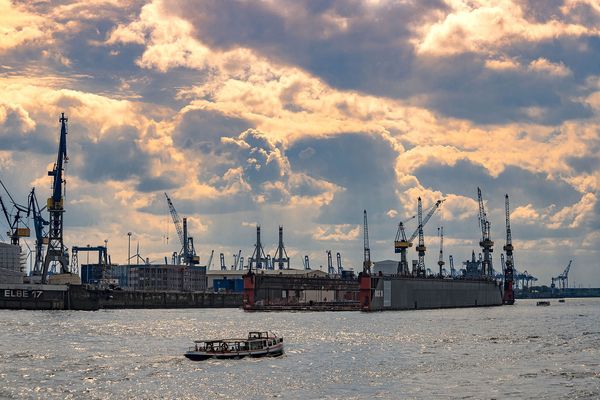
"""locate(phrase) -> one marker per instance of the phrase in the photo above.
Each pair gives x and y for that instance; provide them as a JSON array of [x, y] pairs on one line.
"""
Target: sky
[[303, 113]]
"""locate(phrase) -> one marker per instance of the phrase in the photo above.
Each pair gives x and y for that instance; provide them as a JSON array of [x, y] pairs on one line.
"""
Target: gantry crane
[[486, 243], [421, 246], [330, 269], [340, 269], [441, 257], [563, 278], [258, 256], [401, 243], [452, 270], [306, 262], [508, 296], [187, 255], [56, 251], [281, 256], [366, 249]]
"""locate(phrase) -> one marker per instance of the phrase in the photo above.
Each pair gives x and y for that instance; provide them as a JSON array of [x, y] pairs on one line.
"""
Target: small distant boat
[[561, 300], [258, 344], [543, 303]]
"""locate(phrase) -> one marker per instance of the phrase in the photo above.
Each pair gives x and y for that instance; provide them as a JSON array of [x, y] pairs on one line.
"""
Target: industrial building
[[11, 264], [147, 277]]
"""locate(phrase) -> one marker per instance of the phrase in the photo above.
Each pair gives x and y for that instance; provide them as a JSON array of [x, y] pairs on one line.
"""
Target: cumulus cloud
[[483, 26]]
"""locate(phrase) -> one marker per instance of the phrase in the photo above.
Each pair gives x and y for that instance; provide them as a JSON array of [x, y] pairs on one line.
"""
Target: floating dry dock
[[264, 292]]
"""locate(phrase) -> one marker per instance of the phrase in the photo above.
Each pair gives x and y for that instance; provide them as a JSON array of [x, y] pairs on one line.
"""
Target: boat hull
[[202, 355]]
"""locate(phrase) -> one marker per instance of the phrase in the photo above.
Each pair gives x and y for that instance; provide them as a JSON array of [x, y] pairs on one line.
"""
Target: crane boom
[[366, 248], [428, 216], [176, 220]]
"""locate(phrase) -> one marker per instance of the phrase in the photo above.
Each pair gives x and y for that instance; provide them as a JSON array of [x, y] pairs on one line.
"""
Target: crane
[[441, 257], [563, 279], [40, 238], [15, 231], [330, 269], [366, 249], [56, 251], [508, 296], [281, 256], [187, 255], [421, 246], [452, 270], [258, 256], [486, 243], [339, 264], [401, 243], [306, 262]]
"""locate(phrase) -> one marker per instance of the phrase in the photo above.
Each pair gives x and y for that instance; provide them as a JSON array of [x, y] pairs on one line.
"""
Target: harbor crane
[[340, 269], [40, 237], [15, 230], [486, 243], [508, 296], [401, 243], [441, 257], [258, 256], [452, 270], [563, 278], [281, 257], [330, 269], [306, 262], [187, 255], [56, 251], [366, 249], [420, 270]]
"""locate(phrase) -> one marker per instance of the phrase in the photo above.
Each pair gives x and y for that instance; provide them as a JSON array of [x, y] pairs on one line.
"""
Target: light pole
[[128, 248]]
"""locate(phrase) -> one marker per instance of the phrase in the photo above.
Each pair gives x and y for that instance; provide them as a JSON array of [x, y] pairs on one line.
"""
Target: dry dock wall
[[78, 297], [398, 293]]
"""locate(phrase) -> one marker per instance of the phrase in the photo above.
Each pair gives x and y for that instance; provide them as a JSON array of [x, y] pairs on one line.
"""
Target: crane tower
[[508, 296], [486, 242], [56, 251]]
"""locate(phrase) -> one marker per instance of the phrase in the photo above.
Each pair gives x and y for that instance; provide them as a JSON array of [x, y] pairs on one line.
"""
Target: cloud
[[336, 233], [487, 26]]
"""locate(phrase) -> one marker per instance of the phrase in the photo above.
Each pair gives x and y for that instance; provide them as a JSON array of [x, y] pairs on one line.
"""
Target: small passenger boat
[[543, 303], [258, 344]]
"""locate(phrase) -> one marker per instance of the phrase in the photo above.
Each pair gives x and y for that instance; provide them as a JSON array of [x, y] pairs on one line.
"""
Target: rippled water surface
[[521, 351]]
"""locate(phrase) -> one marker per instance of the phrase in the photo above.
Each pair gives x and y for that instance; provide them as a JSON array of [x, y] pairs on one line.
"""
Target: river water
[[519, 351]]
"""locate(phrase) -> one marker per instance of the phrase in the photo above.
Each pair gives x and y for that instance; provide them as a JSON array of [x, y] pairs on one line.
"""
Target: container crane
[[340, 269], [563, 279], [441, 257], [401, 243], [421, 246], [486, 243], [452, 270], [187, 255], [508, 296], [366, 249], [281, 257], [330, 269], [306, 262], [56, 251], [258, 256]]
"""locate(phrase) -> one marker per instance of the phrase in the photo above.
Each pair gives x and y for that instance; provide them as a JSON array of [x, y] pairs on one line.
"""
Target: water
[[521, 351]]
